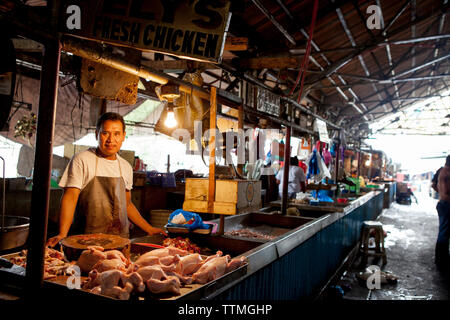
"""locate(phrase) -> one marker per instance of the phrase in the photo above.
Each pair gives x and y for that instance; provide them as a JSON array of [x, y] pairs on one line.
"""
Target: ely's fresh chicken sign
[[187, 28]]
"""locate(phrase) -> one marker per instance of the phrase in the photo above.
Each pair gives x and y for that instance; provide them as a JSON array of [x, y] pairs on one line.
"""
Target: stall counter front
[[296, 264]]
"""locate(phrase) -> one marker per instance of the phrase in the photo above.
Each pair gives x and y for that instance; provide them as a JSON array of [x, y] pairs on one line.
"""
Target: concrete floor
[[410, 242]]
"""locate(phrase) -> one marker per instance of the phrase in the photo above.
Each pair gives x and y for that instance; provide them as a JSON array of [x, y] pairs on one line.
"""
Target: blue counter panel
[[303, 271]]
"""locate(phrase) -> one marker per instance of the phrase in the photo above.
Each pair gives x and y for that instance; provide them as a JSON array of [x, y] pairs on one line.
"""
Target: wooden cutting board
[[74, 245]]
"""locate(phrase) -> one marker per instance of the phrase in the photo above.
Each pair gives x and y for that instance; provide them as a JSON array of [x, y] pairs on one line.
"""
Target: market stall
[[238, 235]]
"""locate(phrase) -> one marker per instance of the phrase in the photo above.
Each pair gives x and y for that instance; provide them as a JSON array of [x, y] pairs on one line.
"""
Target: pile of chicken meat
[[160, 271]]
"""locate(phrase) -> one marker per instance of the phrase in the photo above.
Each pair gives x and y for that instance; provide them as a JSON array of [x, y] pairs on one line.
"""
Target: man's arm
[[302, 180], [435, 180], [68, 204], [303, 186], [136, 218]]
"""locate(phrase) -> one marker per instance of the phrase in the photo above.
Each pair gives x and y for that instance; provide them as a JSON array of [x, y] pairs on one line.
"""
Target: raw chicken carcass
[[164, 252], [189, 264], [158, 281], [116, 254], [218, 254], [114, 283], [149, 272], [234, 264], [109, 284], [163, 261], [169, 285], [151, 261], [146, 260], [183, 279], [135, 280], [112, 264], [211, 270], [168, 260], [90, 257], [92, 281]]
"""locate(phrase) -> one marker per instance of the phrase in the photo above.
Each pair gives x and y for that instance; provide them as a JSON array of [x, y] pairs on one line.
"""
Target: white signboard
[[321, 127]]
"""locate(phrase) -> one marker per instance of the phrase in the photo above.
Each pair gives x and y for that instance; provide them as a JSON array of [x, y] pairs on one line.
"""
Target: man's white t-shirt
[[81, 170], [296, 175]]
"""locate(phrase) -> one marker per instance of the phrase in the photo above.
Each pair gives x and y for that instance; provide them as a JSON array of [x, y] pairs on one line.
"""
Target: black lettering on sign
[[187, 41], [199, 43], [168, 38], [115, 30], [214, 19], [160, 34], [211, 45], [146, 39], [125, 33], [137, 11], [135, 32], [176, 34]]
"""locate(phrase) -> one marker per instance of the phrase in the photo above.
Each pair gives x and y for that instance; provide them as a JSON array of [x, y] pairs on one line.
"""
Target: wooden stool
[[379, 241]]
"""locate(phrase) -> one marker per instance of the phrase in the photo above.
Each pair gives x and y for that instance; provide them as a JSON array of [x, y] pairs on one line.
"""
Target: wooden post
[[240, 166], [287, 156], [212, 156], [40, 194]]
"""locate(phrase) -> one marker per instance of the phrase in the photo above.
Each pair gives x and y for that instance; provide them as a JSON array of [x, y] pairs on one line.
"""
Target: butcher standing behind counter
[[99, 180]]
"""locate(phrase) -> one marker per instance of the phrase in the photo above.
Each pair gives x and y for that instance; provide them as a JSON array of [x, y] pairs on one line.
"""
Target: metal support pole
[[336, 174], [359, 161], [287, 156], [42, 168]]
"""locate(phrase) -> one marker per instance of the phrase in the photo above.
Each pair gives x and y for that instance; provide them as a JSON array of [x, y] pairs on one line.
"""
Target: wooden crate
[[231, 196]]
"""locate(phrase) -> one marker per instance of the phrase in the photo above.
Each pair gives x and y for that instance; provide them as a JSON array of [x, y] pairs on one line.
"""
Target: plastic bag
[[317, 170], [193, 220], [313, 168], [326, 156], [324, 172], [322, 196]]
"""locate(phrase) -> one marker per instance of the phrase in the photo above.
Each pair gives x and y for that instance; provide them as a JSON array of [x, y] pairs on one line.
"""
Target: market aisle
[[411, 236]]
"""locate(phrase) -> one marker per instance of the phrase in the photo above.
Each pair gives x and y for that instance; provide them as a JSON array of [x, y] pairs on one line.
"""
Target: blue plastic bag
[[193, 220], [322, 196], [313, 168]]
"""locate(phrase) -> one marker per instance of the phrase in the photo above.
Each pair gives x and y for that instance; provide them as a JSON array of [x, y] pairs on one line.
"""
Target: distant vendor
[[296, 179], [98, 182]]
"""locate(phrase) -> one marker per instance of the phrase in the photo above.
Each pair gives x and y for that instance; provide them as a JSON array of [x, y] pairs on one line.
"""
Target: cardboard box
[[231, 196]]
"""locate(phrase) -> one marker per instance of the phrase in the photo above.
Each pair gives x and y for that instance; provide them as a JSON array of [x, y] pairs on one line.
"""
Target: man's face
[[110, 138]]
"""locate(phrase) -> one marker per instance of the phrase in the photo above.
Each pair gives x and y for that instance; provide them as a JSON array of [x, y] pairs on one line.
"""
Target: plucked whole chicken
[[160, 271]]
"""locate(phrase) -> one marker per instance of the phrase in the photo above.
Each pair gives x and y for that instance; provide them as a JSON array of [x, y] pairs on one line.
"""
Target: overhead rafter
[[369, 45], [383, 102], [437, 90], [274, 21]]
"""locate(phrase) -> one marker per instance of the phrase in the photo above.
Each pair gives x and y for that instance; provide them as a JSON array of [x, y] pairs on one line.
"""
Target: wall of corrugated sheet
[[302, 272]]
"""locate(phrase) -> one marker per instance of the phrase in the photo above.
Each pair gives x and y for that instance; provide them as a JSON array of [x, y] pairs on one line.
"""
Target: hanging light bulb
[[170, 118]]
